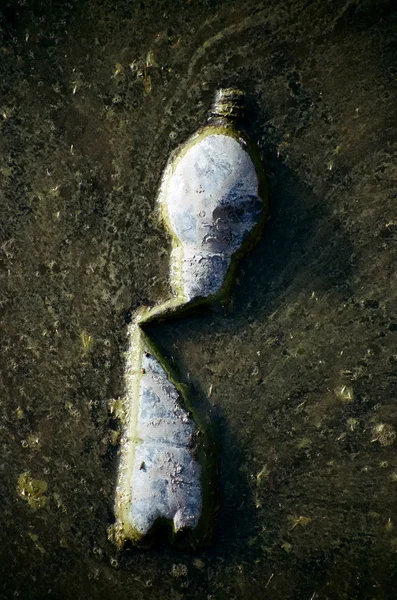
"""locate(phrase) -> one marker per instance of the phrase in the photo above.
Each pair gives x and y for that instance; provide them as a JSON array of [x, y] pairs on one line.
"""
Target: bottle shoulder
[[208, 137]]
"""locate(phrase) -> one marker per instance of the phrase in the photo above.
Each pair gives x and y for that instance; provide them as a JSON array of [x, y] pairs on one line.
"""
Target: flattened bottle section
[[166, 474], [160, 473], [213, 201]]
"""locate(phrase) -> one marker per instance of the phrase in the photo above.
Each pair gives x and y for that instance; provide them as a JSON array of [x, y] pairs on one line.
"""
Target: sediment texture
[[298, 374]]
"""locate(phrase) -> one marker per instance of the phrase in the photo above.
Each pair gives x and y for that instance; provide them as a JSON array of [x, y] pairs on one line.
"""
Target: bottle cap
[[228, 103]]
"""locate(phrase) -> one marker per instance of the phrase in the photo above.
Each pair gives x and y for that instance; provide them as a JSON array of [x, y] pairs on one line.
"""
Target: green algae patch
[[32, 490]]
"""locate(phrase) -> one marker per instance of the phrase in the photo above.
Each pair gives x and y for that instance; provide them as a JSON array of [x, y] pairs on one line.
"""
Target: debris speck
[[118, 70], [86, 341], [179, 570], [352, 424], [286, 546], [389, 525], [383, 433], [301, 521], [304, 443], [32, 490], [344, 393], [198, 563]]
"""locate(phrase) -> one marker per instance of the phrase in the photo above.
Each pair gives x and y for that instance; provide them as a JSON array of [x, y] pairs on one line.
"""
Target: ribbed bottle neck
[[229, 104]]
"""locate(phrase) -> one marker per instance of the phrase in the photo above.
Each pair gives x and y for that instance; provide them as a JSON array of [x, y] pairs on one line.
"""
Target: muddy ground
[[297, 372]]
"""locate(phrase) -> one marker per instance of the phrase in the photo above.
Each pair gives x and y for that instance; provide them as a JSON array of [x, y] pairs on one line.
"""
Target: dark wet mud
[[298, 371]]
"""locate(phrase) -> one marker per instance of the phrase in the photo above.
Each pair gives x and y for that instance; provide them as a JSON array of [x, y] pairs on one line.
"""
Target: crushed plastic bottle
[[213, 202]]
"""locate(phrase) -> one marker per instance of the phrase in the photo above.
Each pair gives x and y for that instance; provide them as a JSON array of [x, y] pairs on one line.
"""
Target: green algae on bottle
[[213, 202]]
